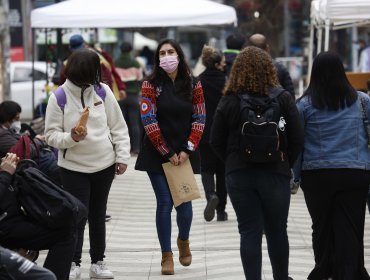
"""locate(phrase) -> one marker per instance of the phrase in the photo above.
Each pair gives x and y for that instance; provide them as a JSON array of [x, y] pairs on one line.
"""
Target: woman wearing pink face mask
[[173, 115]]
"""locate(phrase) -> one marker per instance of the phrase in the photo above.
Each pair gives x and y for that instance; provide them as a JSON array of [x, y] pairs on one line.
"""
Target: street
[[133, 251]]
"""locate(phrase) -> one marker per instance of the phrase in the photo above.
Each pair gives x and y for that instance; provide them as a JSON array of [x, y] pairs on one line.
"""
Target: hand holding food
[[81, 125]]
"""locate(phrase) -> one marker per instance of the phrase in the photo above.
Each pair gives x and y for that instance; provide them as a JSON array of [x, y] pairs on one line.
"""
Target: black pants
[[336, 201], [33, 236], [211, 165], [130, 108], [92, 189], [14, 266]]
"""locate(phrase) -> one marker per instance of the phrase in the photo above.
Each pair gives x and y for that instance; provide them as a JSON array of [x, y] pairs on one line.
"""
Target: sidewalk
[[133, 251]]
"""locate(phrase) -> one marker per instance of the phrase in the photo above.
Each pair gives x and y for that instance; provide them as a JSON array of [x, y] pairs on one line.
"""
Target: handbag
[[181, 181]]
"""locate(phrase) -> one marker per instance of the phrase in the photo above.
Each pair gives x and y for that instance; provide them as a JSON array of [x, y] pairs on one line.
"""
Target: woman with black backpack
[[258, 181]]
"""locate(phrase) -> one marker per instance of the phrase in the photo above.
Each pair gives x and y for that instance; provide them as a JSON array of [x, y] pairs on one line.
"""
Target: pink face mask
[[169, 63]]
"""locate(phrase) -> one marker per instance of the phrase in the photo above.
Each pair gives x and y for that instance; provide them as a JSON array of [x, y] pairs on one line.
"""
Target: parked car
[[21, 85]]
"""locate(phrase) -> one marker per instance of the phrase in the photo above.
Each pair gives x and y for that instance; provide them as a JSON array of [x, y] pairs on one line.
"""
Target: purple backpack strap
[[99, 89], [62, 99]]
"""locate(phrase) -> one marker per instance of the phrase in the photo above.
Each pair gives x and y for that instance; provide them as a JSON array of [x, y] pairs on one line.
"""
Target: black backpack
[[44, 201], [262, 128]]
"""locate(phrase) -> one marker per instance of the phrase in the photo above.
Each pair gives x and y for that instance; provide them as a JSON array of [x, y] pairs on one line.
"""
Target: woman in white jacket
[[88, 160]]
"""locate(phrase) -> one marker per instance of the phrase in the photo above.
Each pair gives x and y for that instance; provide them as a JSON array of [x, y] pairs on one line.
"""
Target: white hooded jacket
[[107, 140]]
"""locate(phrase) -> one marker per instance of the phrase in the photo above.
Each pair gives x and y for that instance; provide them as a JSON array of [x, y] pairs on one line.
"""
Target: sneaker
[[100, 271], [108, 218], [294, 186], [222, 216], [75, 272], [209, 211]]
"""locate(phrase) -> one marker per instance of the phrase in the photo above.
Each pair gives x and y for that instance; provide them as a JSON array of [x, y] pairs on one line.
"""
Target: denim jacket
[[333, 139]]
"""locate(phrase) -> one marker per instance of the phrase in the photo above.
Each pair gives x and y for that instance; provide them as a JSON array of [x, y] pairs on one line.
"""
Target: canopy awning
[[132, 13]]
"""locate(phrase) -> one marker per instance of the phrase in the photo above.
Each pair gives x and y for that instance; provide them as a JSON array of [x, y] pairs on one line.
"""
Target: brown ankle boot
[[184, 252], [167, 263]]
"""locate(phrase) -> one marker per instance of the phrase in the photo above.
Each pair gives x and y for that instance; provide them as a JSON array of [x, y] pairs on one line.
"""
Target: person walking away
[[213, 81], [334, 169], [19, 231], [257, 183], [89, 159], [131, 74], [234, 43], [173, 115], [260, 41]]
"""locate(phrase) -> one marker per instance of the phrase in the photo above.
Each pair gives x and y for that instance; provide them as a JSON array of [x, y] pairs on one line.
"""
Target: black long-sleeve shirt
[[213, 82]]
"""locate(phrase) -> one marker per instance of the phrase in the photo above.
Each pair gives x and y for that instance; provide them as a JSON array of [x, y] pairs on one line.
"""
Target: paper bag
[[181, 181]]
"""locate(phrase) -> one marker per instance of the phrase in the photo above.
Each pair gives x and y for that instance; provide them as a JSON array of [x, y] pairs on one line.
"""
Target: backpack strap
[[99, 89], [275, 92], [62, 99]]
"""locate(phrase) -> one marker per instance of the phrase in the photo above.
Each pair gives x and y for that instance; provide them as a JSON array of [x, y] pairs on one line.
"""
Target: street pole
[[26, 7], [286, 28], [5, 50]]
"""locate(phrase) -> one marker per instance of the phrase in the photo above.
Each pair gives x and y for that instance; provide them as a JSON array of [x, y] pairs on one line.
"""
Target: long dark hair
[[158, 76], [329, 87], [83, 67]]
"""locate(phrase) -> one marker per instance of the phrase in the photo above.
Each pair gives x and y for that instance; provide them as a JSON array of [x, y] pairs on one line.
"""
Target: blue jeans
[[163, 214], [261, 201]]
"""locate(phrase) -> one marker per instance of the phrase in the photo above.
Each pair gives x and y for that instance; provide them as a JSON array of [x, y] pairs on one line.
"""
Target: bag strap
[[62, 99], [275, 92], [365, 118]]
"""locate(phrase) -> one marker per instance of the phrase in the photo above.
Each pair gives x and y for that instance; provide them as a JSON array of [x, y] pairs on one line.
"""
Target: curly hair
[[211, 56], [252, 71]]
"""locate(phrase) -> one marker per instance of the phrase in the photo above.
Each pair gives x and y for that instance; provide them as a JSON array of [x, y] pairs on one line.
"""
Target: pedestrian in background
[[260, 41], [108, 71], [131, 74], [173, 115], [335, 169], [213, 81], [259, 192], [90, 159], [234, 43]]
